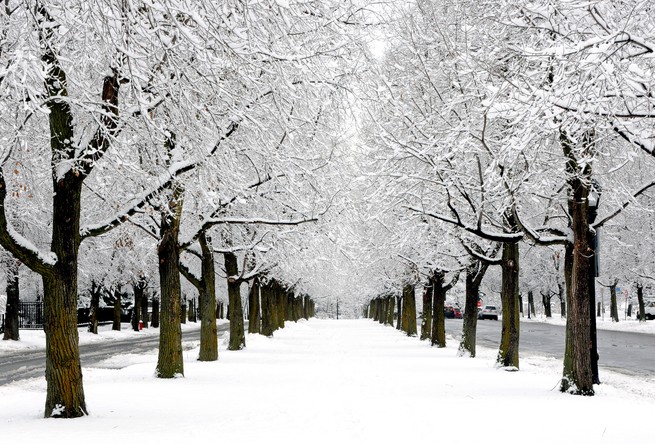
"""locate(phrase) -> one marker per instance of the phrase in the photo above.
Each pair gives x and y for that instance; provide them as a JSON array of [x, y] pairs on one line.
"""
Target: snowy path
[[336, 382]]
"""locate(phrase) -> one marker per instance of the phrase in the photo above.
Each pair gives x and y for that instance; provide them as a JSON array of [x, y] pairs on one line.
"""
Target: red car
[[452, 312]]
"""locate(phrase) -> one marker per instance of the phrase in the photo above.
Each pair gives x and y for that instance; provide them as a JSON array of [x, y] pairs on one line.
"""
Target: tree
[[11, 327]]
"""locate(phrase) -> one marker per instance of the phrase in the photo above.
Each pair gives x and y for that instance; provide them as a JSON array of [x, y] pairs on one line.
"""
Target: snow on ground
[[327, 381]]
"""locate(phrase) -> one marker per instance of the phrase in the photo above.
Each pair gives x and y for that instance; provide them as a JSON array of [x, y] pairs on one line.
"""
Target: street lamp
[[593, 199]]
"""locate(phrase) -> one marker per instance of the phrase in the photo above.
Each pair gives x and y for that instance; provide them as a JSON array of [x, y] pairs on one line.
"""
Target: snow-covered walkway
[[326, 381]]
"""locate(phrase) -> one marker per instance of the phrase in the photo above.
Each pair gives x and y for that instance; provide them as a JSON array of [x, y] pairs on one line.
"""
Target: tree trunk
[[410, 310], [567, 373], [138, 290], [207, 294], [254, 318], [11, 330], [268, 294], [426, 322], [470, 322], [144, 311], [578, 374], [545, 300], [391, 303], [96, 292], [640, 301], [562, 299], [508, 354], [614, 309], [117, 309], [170, 362], [399, 313], [438, 319], [237, 334], [183, 311], [281, 301], [531, 310], [155, 313]]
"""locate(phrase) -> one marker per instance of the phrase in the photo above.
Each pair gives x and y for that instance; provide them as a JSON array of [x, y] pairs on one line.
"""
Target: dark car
[[452, 312]]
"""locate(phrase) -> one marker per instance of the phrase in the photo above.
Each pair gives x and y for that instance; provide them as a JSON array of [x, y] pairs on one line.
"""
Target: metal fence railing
[[30, 315]]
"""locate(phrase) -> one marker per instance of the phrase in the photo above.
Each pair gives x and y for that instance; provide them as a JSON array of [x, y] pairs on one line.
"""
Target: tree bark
[[409, 310], [474, 274], [267, 313], [155, 313], [281, 302], [139, 289], [207, 294], [144, 311], [390, 301], [614, 309], [545, 300], [399, 319], [170, 362], [11, 330], [237, 334], [508, 354], [96, 292], [426, 322], [117, 309], [640, 301], [254, 318], [438, 319]]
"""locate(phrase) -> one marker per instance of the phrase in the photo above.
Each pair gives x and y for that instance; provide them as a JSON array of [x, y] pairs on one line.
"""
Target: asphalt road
[[30, 364], [630, 353], [626, 352]]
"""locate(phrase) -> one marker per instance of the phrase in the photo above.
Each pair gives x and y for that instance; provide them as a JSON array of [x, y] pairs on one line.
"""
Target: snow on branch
[[478, 231], [16, 244]]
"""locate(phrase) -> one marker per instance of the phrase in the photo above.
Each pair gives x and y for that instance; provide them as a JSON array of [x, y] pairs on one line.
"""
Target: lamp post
[[593, 199]]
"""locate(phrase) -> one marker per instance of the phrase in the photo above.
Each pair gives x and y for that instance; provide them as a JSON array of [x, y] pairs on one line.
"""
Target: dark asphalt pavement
[[31, 363], [626, 352]]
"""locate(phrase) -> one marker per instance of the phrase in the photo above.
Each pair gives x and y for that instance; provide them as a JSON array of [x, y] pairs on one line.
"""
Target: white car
[[649, 309], [488, 312]]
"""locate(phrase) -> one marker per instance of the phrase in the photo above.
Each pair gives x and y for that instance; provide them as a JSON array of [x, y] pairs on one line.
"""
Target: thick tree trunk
[[267, 312], [254, 318], [614, 309], [170, 362], [207, 294], [410, 310], [470, 322], [438, 319], [281, 298], [508, 354], [237, 334], [578, 374], [426, 322], [11, 330], [117, 309]]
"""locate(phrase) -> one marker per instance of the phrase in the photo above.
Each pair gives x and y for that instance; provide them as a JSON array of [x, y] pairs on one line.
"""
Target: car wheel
[[495, 318]]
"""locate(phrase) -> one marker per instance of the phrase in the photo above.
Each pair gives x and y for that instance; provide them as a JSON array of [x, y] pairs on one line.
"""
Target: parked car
[[649, 310], [488, 312], [452, 312]]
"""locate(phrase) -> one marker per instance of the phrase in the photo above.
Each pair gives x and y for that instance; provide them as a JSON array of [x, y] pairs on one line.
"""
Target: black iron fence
[[30, 315]]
